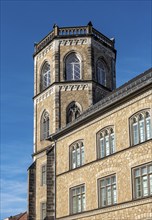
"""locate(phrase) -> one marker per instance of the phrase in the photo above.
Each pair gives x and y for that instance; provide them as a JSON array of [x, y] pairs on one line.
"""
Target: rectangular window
[[142, 177], [135, 133], [43, 175], [107, 191], [77, 195], [77, 155], [43, 211]]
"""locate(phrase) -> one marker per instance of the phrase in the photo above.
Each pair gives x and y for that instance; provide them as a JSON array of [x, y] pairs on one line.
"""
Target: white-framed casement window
[[43, 211], [45, 124], [73, 67], [142, 181], [73, 111], [43, 175], [107, 191], [77, 199], [76, 154], [45, 76], [140, 127], [101, 71], [105, 142]]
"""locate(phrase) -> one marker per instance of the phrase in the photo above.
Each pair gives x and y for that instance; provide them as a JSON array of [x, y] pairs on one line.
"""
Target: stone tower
[[74, 67]]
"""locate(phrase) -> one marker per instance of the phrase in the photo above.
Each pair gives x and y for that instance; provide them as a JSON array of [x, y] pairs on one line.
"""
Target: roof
[[130, 89], [18, 216]]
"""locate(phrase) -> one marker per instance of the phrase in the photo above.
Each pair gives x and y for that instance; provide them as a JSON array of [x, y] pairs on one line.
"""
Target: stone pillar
[[50, 184], [31, 191]]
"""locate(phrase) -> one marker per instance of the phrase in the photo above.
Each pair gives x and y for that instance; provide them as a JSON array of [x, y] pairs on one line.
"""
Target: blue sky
[[26, 22]]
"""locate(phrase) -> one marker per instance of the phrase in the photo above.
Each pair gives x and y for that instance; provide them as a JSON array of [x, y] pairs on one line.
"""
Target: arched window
[[73, 111], [45, 76], [73, 69], [105, 142], [101, 72], [140, 127], [45, 125], [76, 154]]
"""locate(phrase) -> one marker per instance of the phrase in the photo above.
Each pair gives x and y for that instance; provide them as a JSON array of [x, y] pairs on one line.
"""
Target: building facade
[[92, 142]]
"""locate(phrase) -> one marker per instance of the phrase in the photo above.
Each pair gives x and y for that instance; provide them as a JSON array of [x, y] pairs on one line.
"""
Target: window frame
[[43, 181], [71, 199], [44, 125], [65, 65], [136, 117], [111, 142], [80, 144], [47, 75], [106, 186], [105, 71], [141, 182], [41, 210]]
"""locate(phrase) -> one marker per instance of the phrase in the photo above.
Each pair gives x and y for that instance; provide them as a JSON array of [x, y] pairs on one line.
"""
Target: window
[[105, 142], [77, 201], [43, 175], [73, 67], [73, 111], [44, 125], [140, 125], [76, 155], [45, 76], [107, 191], [142, 178], [43, 210], [101, 72]]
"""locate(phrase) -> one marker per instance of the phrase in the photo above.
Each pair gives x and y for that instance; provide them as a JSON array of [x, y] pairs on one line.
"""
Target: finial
[[55, 25], [90, 23]]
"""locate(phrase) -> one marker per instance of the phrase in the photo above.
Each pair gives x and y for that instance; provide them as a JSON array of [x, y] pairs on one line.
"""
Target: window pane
[[102, 150], [142, 130], [150, 169], [78, 157], [103, 197], [144, 170], [150, 183], [138, 187], [79, 203], [137, 172], [148, 128], [107, 145], [83, 202], [135, 133], [74, 159], [109, 195], [112, 143], [145, 186], [114, 195], [82, 154], [74, 203]]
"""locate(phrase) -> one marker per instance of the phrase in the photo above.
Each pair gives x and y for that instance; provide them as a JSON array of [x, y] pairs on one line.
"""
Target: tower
[[74, 67]]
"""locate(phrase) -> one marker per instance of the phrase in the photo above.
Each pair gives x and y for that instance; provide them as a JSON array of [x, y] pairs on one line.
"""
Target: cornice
[[129, 90]]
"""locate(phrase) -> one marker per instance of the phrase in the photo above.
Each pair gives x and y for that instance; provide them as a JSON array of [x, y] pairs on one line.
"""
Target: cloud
[[13, 197]]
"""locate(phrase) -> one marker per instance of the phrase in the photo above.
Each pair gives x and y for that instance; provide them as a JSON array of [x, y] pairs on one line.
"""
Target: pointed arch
[[45, 76], [45, 125], [101, 72], [73, 66], [73, 111]]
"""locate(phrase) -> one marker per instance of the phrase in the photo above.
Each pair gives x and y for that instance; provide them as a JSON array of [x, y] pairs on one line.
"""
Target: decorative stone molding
[[77, 41], [73, 87], [44, 95], [106, 51], [45, 51]]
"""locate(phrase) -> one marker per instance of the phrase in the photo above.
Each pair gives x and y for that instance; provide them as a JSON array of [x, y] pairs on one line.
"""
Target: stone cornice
[[131, 89]]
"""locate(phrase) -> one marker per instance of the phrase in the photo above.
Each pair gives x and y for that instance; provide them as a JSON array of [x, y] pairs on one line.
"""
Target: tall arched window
[[101, 72], [45, 76], [140, 127], [45, 125], [105, 142], [73, 111], [76, 154], [73, 67]]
